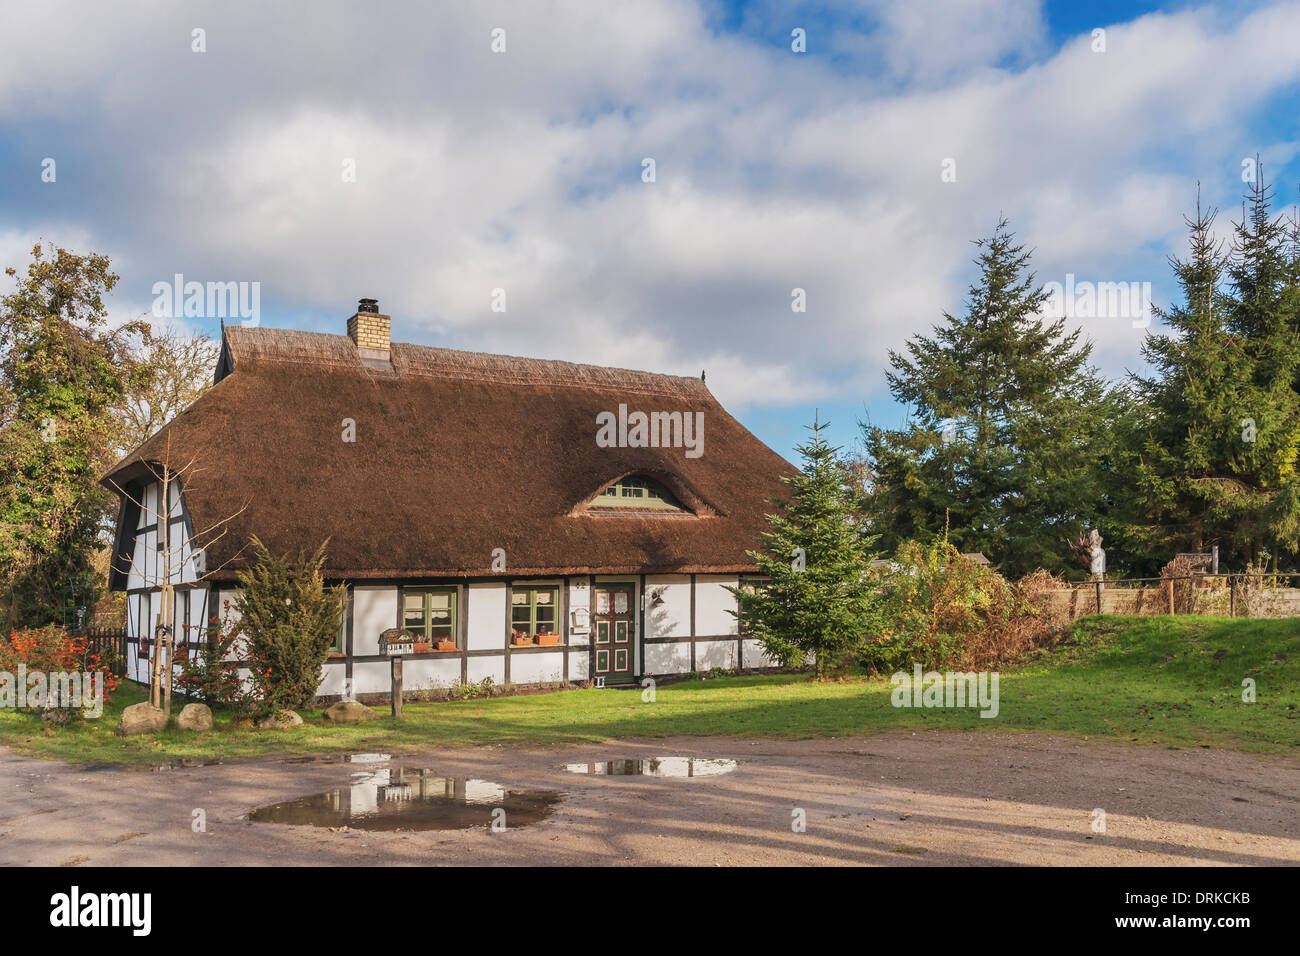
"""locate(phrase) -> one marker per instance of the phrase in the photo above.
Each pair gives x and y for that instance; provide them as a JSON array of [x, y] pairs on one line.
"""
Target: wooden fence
[[109, 643], [1223, 595]]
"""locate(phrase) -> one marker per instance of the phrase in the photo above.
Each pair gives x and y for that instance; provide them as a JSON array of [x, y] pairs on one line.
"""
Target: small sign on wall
[[580, 621]]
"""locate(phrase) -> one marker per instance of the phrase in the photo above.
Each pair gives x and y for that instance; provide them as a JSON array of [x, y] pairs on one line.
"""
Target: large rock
[[195, 717], [350, 712], [142, 718], [280, 720]]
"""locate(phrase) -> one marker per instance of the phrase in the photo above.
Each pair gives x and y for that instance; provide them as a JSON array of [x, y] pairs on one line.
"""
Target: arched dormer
[[637, 491], [643, 493]]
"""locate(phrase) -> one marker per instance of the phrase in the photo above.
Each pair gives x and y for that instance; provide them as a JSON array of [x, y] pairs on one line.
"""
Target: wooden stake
[[396, 693]]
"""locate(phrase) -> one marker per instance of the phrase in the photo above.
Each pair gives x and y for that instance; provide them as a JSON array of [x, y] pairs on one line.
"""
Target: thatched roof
[[456, 454]]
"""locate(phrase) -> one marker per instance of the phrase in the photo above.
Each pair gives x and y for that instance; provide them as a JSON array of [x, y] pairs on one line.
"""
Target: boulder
[[350, 712], [280, 720], [141, 718], [195, 717]]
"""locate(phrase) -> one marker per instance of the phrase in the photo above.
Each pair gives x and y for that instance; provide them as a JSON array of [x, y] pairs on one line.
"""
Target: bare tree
[[181, 365], [171, 557]]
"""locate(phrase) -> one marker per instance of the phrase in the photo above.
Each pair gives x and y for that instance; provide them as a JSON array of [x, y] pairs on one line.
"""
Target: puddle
[[345, 758], [184, 763], [412, 799], [655, 767]]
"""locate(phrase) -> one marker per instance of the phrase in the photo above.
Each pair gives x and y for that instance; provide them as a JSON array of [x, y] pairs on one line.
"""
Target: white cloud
[[522, 170]]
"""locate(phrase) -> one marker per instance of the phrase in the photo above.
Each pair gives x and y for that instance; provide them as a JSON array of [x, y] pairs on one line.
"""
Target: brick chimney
[[368, 330]]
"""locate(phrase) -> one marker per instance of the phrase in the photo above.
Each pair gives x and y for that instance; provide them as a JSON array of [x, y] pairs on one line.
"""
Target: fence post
[[1171, 594], [1232, 596], [1097, 584]]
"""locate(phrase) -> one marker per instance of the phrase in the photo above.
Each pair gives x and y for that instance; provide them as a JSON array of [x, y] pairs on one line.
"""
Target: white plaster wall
[[143, 568], [579, 596], [229, 617], [671, 617], [429, 671], [133, 629], [712, 602], [487, 617], [667, 658], [374, 610], [755, 656], [332, 684], [481, 667], [372, 677], [715, 654], [150, 501], [536, 668], [146, 567], [579, 663]]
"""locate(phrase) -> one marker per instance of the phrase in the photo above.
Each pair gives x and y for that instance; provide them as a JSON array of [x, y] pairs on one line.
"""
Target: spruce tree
[[1216, 447], [1006, 428], [816, 599]]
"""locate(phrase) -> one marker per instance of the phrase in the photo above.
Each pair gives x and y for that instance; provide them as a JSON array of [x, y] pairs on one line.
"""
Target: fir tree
[[815, 600], [1217, 442], [1006, 430]]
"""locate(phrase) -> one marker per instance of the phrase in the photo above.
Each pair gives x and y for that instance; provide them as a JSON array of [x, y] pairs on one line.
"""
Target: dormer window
[[640, 492]]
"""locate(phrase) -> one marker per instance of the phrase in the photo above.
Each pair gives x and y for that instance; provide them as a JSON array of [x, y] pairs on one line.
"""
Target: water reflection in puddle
[[400, 798], [345, 758], [655, 767], [185, 763]]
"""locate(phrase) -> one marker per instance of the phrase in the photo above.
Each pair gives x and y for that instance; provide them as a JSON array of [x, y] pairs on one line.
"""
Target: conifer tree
[[1217, 443], [1007, 425], [815, 600]]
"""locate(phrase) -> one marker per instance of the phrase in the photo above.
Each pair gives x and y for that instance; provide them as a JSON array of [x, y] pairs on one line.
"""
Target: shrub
[[208, 675], [816, 601], [939, 609], [1180, 575], [288, 619], [471, 691], [49, 650]]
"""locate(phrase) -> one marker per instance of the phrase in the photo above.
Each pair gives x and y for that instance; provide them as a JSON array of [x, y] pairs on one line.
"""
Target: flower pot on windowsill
[[446, 645], [423, 647], [548, 640], [521, 640]]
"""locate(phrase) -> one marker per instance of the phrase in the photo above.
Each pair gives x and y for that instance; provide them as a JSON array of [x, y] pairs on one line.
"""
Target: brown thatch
[[456, 454]]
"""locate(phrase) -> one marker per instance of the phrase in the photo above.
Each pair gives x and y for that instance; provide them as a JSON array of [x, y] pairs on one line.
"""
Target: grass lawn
[[1172, 681]]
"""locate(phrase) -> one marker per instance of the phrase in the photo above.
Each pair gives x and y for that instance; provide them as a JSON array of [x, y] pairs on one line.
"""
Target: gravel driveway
[[892, 799]]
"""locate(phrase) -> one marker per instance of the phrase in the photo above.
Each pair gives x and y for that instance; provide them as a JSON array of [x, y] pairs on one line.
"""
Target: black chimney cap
[[368, 305]]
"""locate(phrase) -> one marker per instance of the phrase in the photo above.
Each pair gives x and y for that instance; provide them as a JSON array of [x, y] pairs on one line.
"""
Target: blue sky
[[521, 170]]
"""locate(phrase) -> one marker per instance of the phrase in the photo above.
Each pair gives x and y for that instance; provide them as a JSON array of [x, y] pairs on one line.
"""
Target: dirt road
[[892, 799]]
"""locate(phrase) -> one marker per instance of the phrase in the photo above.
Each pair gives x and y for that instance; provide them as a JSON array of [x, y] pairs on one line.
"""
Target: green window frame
[[535, 609], [638, 491], [431, 614]]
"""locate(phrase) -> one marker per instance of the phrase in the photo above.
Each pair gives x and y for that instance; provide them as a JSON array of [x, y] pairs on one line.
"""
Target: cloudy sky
[[830, 170]]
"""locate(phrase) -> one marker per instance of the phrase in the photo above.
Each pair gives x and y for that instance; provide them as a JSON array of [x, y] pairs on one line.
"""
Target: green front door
[[615, 634]]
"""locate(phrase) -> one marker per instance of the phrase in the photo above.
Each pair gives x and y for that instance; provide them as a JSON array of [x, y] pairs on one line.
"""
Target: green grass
[[1170, 681]]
